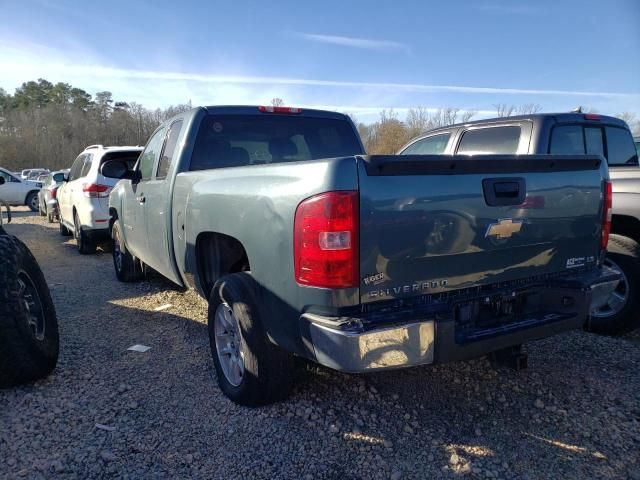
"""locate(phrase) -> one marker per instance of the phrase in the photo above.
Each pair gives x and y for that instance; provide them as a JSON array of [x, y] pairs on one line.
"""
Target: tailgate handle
[[504, 191]]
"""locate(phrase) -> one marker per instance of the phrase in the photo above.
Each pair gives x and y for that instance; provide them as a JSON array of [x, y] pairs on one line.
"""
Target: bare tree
[[528, 108], [504, 110]]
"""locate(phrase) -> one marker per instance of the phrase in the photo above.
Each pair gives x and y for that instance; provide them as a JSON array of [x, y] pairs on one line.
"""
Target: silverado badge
[[504, 228]]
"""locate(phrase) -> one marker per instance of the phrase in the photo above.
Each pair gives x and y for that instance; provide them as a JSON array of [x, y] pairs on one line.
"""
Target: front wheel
[[620, 313], [29, 342], [32, 201], [127, 267], [251, 370]]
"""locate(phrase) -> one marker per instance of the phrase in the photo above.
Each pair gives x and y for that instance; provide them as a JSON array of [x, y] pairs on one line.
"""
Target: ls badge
[[504, 228]]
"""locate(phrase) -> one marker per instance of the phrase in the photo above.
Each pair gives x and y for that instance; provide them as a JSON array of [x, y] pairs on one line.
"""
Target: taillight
[[95, 190], [326, 240], [607, 213], [270, 109], [592, 116], [54, 193]]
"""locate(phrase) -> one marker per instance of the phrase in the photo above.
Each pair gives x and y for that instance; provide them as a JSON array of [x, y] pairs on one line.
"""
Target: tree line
[[46, 125]]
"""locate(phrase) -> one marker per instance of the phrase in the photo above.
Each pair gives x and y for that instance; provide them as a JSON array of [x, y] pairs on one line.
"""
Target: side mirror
[[117, 169], [1, 180]]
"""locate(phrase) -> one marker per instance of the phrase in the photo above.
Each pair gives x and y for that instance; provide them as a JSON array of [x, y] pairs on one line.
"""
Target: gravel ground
[[108, 412]]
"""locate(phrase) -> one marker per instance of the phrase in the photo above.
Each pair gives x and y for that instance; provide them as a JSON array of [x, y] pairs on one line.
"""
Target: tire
[[85, 245], [621, 314], [32, 201], [29, 342], [64, 231], [266, 372], [127, 267]]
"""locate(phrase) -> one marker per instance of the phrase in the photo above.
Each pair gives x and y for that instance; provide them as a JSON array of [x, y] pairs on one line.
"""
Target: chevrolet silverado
[[305, 246]]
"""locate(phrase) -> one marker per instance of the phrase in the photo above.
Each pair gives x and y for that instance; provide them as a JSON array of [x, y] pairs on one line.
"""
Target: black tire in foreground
[[29, 342], [261, 372], [84, 243], [127, 267], [621, 313]]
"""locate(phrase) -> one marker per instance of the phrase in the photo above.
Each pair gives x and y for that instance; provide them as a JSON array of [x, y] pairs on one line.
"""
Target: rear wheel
[[29, 341], [85, 245], [127, 267], [32, 201], [620, 313], [251, 370]]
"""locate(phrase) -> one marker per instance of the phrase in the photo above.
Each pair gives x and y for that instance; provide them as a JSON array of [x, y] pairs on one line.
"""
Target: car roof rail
[[94, 146]]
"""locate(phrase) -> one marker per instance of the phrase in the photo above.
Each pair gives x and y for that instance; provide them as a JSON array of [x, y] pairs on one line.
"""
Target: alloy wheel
[[229, 344]]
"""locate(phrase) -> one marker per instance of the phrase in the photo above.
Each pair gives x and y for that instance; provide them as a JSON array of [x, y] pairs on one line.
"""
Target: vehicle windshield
[[235, 140]]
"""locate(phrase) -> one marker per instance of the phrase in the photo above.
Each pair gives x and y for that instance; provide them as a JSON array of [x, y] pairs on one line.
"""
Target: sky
[[353, 56]]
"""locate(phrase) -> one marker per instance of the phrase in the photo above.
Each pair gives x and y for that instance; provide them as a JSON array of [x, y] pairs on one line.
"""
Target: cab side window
[[166, 159], [151, 152], [498, 140], [433, 145]]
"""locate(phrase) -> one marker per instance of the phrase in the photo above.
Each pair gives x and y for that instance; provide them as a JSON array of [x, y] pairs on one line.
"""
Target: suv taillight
[[54, 193], [325, 236], [606, 215], [95, 190]]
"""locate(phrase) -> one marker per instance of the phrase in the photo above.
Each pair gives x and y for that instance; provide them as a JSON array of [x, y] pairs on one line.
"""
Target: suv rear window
[[499, 140], [237, 140], [131, 157]]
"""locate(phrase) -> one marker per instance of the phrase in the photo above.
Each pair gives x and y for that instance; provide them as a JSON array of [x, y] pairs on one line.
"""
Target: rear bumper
[[371, 342]]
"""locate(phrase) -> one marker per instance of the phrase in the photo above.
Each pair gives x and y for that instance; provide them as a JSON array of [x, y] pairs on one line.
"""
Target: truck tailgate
[[431, 224]]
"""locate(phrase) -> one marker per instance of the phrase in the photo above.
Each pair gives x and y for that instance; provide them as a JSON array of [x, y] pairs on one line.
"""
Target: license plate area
[[490, 314]]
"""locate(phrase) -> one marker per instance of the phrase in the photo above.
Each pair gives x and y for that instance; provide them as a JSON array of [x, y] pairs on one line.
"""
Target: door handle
[[141, 199]]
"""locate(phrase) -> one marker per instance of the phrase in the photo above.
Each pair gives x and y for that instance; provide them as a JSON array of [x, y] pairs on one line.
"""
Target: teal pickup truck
[[305, 246]]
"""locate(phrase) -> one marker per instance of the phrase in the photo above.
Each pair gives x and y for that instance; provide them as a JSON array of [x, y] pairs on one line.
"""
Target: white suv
[[83, 198]]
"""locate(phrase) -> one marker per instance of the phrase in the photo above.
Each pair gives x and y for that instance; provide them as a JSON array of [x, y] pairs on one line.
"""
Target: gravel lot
[[110, 413]]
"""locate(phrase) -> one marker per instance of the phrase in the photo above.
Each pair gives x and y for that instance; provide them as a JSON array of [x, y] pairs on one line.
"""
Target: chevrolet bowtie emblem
[[504, 228]]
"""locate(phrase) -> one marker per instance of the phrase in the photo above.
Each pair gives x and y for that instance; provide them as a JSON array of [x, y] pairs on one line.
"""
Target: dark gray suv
[[568, 134]]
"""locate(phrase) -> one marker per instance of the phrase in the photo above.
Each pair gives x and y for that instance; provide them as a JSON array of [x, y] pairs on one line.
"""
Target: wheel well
[[626, 226], [113, 216], [217, 255]]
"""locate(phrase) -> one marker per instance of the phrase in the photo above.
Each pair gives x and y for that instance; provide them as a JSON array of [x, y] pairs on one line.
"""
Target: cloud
[[106, 72], [354, 42]]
